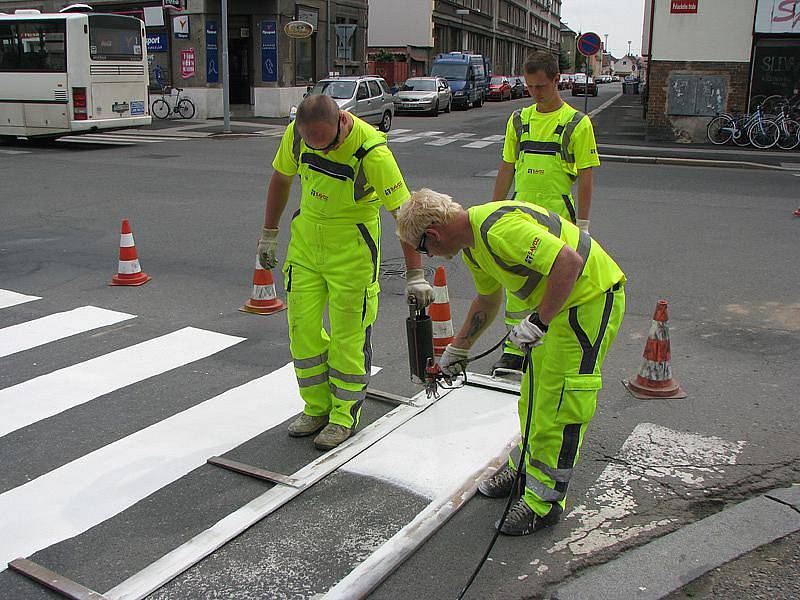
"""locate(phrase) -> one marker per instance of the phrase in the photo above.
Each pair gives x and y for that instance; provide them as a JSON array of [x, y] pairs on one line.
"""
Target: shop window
[[776, 72]]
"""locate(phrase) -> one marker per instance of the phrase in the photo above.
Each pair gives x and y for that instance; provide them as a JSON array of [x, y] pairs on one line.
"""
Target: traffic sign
[[589, 44]]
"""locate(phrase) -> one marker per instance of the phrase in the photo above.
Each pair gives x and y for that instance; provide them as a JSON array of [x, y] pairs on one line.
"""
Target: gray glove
[[583, 225], [526, 334], [453, 361], [417, 287], [267, 248]]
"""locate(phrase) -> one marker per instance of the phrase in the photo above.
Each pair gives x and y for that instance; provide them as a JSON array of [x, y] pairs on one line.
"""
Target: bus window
[[33, 46], [115, 38]]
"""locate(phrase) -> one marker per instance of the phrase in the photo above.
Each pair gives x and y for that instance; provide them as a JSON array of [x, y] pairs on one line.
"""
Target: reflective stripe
[[590, 351], [327, 167], [542, 491], [562, 475], [312, 380], [570, 208], [468, 253], [296, 141], [567, 137], [363, 150], [583, 249], [362, 188], [516, 122], [518, 315], [550, 148], [516, 456], [347, 377], [348, 395], [373, 249], [314, 361]]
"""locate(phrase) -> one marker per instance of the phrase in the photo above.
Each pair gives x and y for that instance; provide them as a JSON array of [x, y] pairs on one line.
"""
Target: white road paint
[[103, 142], [650, 462], [399, 131], [494, 138], [604, 105], [478, 144], [69, 500], [48, 395], [9, 298], [440, 448], [55, 327], [15, 151], [450, 139]]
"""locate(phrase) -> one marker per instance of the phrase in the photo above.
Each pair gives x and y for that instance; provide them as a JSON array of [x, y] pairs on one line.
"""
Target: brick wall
[[661, 126]]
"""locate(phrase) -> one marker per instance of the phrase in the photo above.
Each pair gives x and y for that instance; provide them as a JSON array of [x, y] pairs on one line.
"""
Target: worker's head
[[320, 123], [429, 221], [541, 76]]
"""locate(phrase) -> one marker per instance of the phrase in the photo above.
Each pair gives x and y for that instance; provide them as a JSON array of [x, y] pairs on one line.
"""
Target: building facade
[[269, 71], [506, 31], [568, 40], [712, 56]]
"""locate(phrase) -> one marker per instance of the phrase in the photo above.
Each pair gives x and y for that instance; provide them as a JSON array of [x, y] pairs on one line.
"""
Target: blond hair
[[423, 209]]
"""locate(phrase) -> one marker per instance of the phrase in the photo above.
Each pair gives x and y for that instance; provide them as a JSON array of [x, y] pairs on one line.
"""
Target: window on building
[[306, 48]]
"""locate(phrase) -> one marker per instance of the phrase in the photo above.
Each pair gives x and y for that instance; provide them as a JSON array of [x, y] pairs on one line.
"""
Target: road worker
[[548, 146], [346, 172], [574, 298]]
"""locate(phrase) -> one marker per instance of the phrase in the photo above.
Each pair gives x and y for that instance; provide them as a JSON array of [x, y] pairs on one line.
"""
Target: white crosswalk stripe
[[55, 327], [51, 394], [478, 144], [9, 298], [119, 139], [441, 138], [15, 151]]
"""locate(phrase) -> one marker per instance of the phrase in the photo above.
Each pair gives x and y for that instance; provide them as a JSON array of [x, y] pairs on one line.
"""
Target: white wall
[[400, 23], [721, 30]]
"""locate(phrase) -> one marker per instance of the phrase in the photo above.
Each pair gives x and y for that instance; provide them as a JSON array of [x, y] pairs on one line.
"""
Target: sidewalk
[[620, 133]]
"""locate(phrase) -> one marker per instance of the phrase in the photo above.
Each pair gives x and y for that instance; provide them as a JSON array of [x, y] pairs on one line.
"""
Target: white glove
[[452, 361], [267, 248], [525, 335], [417, 287], [583, 225]]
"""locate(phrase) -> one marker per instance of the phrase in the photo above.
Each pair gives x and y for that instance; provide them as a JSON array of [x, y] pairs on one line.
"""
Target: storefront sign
[[683, 6], [156, 42], [173, 4], [180, 25], [212, 56], [778, 16], [188, 63], [298, 29], [269, 51]]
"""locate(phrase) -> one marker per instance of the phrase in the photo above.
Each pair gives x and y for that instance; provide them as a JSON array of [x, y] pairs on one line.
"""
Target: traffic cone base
[[129, 271], [439, 312], [263, 299], [643, 390], [132, 279]]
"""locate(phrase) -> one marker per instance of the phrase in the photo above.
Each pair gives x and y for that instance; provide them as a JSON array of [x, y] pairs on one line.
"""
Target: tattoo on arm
[[476, 325]]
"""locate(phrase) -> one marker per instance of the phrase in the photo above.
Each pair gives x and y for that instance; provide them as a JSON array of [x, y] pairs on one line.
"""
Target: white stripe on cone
[[442, 329], [440, 295], [129, 267], [263, 292], [126, 240]]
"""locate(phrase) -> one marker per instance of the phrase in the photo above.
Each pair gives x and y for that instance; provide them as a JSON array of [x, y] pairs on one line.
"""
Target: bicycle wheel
[[772, 104], [720, 130], [186, 108], [740, 137], [160, 108], [764, 134], [789, 137]]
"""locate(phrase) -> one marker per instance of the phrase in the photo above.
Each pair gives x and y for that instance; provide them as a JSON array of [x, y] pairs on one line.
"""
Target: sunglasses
[[422, 247], [335, 141]]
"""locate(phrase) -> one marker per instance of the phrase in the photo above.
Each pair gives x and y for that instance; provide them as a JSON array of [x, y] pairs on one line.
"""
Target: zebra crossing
[[119, 139], [442, 138]]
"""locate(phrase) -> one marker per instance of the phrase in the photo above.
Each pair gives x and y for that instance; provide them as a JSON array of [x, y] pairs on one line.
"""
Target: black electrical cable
[[515, 485]]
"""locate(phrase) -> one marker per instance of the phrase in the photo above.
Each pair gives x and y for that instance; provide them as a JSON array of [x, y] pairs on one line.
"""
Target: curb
[[604, 106], [693, 162], [660, 567]]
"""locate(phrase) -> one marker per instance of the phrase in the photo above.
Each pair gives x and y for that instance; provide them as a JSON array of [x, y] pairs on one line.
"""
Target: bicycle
[[789, 131], [743, 130], [183, 106]]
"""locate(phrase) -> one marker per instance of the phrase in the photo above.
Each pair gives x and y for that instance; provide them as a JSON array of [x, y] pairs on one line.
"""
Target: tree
[[564, 63], [580, 62]]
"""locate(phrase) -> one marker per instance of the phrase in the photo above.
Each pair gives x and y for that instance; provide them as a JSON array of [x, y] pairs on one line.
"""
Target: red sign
[[188, 63], [683, 6]]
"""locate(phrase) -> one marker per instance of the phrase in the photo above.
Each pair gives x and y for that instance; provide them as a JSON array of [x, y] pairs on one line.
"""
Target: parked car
[[424, 94], [517, 87], [581, 87], [467, 75], [366, 96], [499, 88], [564, 81]]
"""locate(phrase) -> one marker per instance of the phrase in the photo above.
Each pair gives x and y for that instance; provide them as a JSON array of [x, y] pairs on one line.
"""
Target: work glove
[[528, 333], [267, 248], [583, 225], [418, 288], [453, 361]]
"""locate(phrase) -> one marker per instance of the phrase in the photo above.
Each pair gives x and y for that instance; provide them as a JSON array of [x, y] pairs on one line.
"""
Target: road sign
[[589, 44]]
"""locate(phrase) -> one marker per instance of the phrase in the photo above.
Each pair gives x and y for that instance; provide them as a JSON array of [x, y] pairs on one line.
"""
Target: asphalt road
[[719, 244]]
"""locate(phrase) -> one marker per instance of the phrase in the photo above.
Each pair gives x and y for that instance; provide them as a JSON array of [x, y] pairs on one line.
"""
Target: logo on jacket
[[532, 250], [390, 190], [535, 171], [316, 194]]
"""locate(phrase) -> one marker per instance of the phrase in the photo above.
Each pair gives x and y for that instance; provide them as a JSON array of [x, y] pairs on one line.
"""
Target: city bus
[[70, 73]]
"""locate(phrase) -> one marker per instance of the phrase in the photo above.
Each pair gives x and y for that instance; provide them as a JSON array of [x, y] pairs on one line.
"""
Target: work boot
[[332, 436], [307, 425], [498, 485], [507, 365], [521, 520]]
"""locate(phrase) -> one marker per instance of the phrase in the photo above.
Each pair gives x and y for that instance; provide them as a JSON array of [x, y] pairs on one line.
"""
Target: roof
[[565, 29]]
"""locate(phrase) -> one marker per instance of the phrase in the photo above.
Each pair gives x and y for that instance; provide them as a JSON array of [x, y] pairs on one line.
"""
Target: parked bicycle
[[788, 129], [753, 129], [183, 107]]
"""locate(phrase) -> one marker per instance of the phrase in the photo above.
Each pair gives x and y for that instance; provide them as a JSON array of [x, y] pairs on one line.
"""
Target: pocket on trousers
[[287, 277], [578, 398]]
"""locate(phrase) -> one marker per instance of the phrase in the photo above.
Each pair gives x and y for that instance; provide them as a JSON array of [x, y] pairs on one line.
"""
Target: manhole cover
[[395, 268]]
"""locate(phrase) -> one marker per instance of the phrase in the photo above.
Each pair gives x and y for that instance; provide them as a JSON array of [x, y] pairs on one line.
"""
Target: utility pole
[[605, 51], [226, 79], [629, 47]]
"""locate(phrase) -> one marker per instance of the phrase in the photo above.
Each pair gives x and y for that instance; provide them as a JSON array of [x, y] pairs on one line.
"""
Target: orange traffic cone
[[129, 271], [655, 376], [263, 300], [439, 312]]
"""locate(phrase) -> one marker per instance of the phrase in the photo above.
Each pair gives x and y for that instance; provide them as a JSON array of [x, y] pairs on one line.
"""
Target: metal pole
[[226, 80], [586, 88]]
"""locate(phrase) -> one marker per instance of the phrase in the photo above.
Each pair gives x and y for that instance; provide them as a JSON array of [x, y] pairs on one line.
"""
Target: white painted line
[[56, 327], [77, 496], [121, 138], [494, 138], [9, 298], [604, 105], [791, 165], [15, 151], [478, 144], [398, 131], [403, 139], [441, 141], [139, 137], [77, 140], [429, 133], [48, 395]]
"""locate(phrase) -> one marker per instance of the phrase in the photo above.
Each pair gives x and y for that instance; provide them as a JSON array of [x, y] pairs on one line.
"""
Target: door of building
[[240, 70]]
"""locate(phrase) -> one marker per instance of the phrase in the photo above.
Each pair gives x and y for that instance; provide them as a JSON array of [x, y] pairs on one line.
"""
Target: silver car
[[366, 96], [424, 94]]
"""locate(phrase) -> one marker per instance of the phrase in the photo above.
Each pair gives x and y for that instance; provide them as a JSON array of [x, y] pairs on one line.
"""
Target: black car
[[517, 87]]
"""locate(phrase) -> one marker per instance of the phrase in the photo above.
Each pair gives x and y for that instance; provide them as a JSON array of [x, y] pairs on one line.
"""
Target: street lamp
[[462, 12]]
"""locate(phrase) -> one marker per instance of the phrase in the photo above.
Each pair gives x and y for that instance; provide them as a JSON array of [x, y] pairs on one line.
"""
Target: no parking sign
[[589, 44]]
